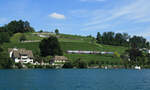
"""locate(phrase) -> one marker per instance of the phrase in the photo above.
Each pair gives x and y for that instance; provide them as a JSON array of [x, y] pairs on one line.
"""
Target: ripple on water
[[75, 79]]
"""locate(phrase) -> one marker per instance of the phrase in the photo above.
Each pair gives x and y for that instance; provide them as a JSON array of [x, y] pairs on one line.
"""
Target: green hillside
[[68, 42]]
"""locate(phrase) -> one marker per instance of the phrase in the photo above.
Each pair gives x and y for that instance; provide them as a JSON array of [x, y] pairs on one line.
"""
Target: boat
[[105, 67], [137, 67]]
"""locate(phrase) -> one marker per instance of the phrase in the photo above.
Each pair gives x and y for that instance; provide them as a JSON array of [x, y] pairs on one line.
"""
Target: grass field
[[91, 47], [96, 57], [68, 42]]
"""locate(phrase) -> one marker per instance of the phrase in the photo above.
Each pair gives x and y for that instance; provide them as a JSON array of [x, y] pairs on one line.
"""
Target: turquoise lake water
[[75, 79]]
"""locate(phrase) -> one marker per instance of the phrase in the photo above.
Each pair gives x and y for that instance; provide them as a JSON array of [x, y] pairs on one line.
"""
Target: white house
[[21, 55]]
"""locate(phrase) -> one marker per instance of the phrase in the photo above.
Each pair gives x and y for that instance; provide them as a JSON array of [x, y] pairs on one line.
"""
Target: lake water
[[75, 79]]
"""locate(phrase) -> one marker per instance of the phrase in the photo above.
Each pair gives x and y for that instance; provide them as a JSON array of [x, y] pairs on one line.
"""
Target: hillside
[[67, 42]]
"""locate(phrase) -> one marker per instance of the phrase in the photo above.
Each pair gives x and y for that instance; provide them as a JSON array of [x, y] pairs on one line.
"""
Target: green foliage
[[17, 27], [138, 42], [116, 54], [68, 65], [57, 31], [29, 65], [134, 54], [50, 47], [78, 63], [47, 59], [41, 31], [19, 65], [4, 37], [134, 57], [98, 38], [110, 38], [23, 38], [5, 61]]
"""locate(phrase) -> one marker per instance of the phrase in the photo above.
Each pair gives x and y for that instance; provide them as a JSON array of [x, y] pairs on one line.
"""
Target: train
[[87, 52]]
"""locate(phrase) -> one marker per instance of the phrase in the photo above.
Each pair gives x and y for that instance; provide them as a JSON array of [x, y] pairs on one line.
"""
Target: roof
[[60, 58], [18, 52]]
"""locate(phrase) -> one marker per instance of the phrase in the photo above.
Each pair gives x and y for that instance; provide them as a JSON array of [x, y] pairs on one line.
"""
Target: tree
[[4, 37], [138, 42], [57, 31], [108, 38], [119, 39], [50, 47], [98, 38], [18, 26], [134, 54], [41, 31], [80, 63]]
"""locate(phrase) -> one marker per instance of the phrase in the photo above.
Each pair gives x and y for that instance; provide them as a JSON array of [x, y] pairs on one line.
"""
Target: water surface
[[75, 79]]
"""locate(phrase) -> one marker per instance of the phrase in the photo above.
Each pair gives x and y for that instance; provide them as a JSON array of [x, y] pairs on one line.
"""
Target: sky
[[80, 17]]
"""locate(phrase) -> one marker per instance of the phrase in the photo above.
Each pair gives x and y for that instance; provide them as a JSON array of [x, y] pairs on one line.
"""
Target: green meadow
[[69, 42]]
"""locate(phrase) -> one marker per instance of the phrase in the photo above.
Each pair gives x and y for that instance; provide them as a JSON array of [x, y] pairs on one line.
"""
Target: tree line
[[17, 27], [122, 39]]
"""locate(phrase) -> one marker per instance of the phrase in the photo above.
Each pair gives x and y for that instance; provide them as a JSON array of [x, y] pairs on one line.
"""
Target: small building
[[148, 51], [43, 36], [58, 59], [21, 55]]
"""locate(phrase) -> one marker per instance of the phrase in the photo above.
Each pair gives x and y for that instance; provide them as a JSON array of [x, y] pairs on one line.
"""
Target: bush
[[19, 65], [30, 65], [68, 65], [116, 54], [80, 63]]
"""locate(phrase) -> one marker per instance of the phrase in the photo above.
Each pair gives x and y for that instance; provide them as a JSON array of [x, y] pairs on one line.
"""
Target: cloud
[[57, 16], [136, 12], [92, 0], [129, 17]]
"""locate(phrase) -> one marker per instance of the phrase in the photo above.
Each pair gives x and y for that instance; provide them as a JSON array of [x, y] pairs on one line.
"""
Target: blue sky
[[81, 17]]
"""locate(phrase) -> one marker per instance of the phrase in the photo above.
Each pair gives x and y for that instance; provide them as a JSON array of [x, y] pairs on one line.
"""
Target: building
[[21, 55], [148, 51], [43, 36], [58, 59]]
